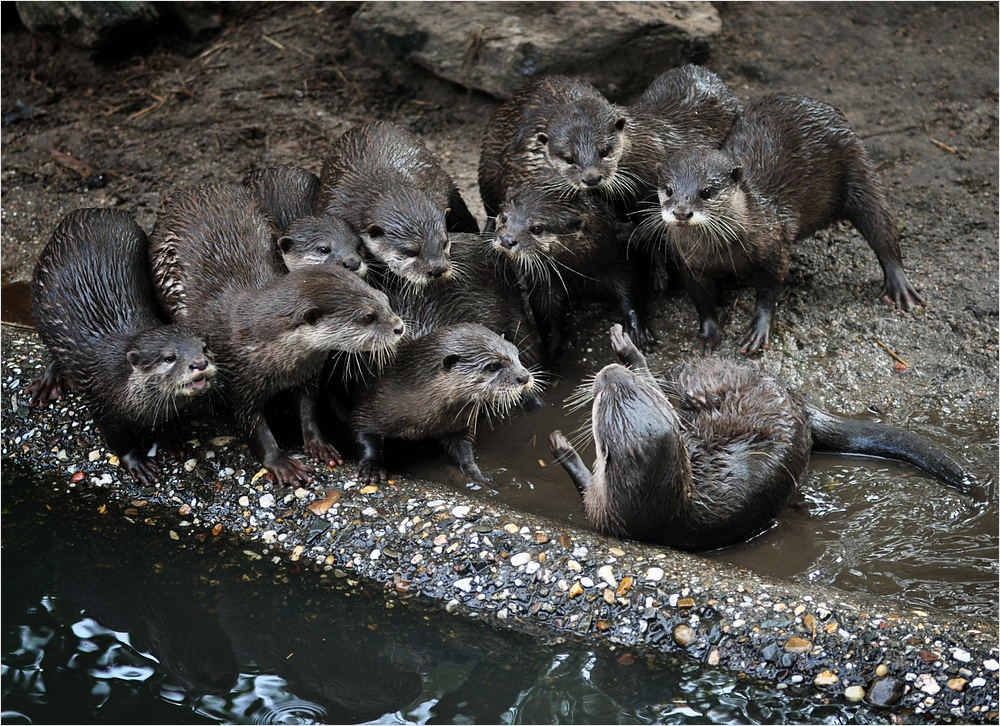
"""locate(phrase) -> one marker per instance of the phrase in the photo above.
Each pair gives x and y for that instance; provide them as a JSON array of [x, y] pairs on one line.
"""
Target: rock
[[796, 644], [826, 678], [885, 692], [684, 635], [854, 693], [494, 47], [93, 25]]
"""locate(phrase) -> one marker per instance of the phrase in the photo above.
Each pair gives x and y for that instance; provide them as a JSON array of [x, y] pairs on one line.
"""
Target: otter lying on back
[[711, 455]]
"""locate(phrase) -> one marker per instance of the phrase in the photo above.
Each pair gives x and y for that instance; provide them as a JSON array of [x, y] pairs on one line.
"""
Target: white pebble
[[190, 464], [521, 558], [374, 555], [461, 511], [465, 584], [926, 683], [606, 573], [654, 574], [991, 665], [267, 500], [961, 655], [533, 567]]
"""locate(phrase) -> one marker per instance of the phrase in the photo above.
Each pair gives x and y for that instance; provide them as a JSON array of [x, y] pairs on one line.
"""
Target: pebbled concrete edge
[[522, 572]]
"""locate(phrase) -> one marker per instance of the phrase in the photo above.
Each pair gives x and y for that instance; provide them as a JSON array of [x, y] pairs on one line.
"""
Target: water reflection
[[110, 622]]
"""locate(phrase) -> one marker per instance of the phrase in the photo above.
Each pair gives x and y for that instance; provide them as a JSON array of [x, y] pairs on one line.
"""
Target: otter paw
[[321, 450], [371, 473], [902, 296], [287, 471], [141, 467]]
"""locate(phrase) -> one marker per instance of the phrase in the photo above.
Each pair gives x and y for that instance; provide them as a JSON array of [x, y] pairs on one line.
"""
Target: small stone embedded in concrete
[[190, 464], [854, 693], [684, 635], [575, 590], [606, 573], [609, 596], [460, 511], [885, 692], [881, 670], [926, 683], [267, 500], [521, 558], [961, 655], [244, 501], [956, 684], [796, 644], [991, 664], [654, 574], [713, 657], [826, 678], [616, 551]]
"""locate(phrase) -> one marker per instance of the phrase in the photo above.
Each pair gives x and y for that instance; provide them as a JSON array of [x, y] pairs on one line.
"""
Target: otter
[[570, 246], [790, 167], [555, 132], [212, 258], [683, 107], [287, 194], [711, 455], [94, 308], [383, 181], [436, 387]]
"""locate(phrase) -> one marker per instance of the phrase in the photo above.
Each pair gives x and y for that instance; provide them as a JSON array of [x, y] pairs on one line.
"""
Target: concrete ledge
[[525, 573]]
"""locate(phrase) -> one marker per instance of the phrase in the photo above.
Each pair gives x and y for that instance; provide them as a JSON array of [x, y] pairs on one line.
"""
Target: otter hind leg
[[566, 455]]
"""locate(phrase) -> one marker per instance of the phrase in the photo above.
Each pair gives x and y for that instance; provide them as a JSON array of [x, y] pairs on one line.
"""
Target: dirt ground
[[918, 81]]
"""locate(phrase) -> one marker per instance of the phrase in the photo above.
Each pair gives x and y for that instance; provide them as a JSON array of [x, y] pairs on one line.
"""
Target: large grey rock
[[93, 25], [494, 46]]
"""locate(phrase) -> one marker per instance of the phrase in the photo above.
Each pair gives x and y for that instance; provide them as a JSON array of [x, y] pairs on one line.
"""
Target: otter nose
[[523, 378], [437, 270], [591, 179], [352, 263], [399, 329], [506, 241], [683, 214], [198, 364]]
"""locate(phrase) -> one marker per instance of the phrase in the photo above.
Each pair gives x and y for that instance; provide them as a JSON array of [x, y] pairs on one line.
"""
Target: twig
[[273, 42], [883, 132], [890, 351], [154, 96], [137, 114], [943, 146], [212, 50]]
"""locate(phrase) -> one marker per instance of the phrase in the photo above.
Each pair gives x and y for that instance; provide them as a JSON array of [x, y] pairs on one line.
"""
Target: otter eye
[[707, 193], [605, 151], [171, 358], [668, 192], [324, 250], [367, 318], [568, 159], [492, 367], [502, 218], [536, 229], [411, 252]]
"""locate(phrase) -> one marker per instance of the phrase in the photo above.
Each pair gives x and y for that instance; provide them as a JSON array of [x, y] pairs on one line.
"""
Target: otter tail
[[847, 436]]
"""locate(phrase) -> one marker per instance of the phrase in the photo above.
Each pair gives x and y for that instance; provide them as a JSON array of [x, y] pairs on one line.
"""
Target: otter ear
[[620, 123], [542, 139], [447, 211], [577, 224], [285, 243], [736, 174], [375, 230], [133, 358], [450, 361]]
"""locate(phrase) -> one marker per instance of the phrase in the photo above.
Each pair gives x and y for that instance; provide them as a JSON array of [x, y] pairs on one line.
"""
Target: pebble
[[961, 655], [713, 658], [616, 551], [796, 644], [606, 573], [574, 566], [926, 683], [541, 538], [94, 455], [826, 678], [244, 501], [654, 574], [854, 693], [521, 558], [956, 684], [461, 511], [300, 493], [885, 692], [586, 582], [267, 500], [575, 590], [624, 587], [684, 635], [609, 597], [190, 464], [220, 440], [881, 670], [977, 683], [510, 528], [369, 489], [991, 665]]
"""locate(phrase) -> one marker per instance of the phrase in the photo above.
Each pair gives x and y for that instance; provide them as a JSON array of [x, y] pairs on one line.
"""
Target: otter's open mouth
[[197, 385]]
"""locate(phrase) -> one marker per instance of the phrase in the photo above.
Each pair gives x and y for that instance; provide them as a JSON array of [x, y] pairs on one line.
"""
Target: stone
[[93, 25], [494, 47]]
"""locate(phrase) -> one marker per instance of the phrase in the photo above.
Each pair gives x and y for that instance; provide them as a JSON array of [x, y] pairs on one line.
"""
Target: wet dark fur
[[286, 192], [94, 308], [710, 455], [386, 184], [322, 240], [566, 248], [556, 133], [791, 166], [270, 331], [436, 387], [684, 107]]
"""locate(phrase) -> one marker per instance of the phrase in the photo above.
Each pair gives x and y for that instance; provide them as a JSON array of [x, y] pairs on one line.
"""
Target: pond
[[109, 620]]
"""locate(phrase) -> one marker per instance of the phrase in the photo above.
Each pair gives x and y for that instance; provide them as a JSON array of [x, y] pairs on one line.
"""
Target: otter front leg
[[286, 470], [702, 292], [566, 455], [50, 386], [370, 469], [122, 440], [460, 449], [629, 354], [313, 440], [758, 332]]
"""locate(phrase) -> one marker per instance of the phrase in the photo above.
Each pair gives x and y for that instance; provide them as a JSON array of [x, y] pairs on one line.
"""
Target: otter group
[[375, 274]]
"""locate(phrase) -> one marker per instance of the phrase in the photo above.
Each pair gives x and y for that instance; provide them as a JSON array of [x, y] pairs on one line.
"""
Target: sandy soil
[[917, 81]]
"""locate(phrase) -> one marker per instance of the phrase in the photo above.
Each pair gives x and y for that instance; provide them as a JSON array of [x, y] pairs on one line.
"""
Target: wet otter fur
[[711, 455], [790, 167], [94, 308], [556, 133], [286, 192], [684, 107], [383, 181], [436, 387], [566, 248], [213, 263]]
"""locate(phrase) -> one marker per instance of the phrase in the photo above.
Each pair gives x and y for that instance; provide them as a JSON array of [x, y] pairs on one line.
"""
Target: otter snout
[[591, 178], [505, 241]]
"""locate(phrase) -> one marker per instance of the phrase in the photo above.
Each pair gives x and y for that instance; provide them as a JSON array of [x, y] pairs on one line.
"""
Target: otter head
[[404, 229], [700, 189], [482, 367], [533, 225], [333, 309], [585, 142], [173, 362], [322, 240]]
